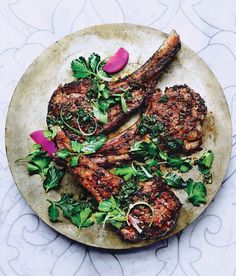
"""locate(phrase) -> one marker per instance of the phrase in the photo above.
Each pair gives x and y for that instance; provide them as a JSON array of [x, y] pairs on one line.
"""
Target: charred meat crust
[[99, 182], [182, 114], [72, 96], [166, 207]]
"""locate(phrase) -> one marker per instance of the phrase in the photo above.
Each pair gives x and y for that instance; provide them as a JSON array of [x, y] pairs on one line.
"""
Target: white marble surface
[[29, 247]]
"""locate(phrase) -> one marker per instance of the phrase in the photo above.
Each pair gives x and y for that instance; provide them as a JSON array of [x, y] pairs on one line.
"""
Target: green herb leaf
[[76, 146], [80, 68], [126, 171], [93, 61], [53, 212], [105, 206], [74, 161], [99, 115], [84, 215], [123, 105], [53, 177], [63, 153], [142, 148], [174, 180], [196, 192], [91, 145], [110, 212]]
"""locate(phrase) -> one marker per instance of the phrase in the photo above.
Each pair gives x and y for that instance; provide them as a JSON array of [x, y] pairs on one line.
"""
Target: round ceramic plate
[[28, 109]]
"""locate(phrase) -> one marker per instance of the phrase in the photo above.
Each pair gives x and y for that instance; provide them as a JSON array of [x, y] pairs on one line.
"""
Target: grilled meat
[[71, 97], [180, 109], [165, 205], [182, 114], [99, 182]]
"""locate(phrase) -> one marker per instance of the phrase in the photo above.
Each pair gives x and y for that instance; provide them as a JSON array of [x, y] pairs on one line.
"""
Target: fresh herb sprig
[[109, 211], [89, 146], [78, 212], [204, 164], [39, 162], [99, 94]]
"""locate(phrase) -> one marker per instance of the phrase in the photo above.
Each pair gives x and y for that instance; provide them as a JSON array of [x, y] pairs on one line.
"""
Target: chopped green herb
[[74, 161], [196, 192], [174, 180], [53, 177], [150, 125], [174, 145], [109, 211], [163, 99], [205, 165], [143, 149], [78, 212], [129, 189]]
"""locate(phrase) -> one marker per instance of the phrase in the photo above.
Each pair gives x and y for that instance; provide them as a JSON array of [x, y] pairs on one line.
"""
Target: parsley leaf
[[78, 212], [142, 148], [53, 212], [126, 171], [92, 144], [99, 114], [109, 211], [53, 177], [74, 161], [63, 153], [196, 192], [174, 180], [80, 68], [205, 165]]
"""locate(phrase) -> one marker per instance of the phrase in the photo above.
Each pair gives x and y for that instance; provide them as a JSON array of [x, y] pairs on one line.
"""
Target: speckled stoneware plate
[[28, 109]]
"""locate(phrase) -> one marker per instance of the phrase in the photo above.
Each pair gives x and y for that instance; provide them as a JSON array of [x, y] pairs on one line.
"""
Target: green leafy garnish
[[110, 212], [53, 212], [205, 164], [129, 189], [196, 192], [150, 125], [126, 171], [183, 165], [143, 149], [74, 161], [78, 212], [39, 162], [100, 115], [174, 180], [53, 177], [174, 145], [63, 153], [163, 99], [51, 134], [81, 69]]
